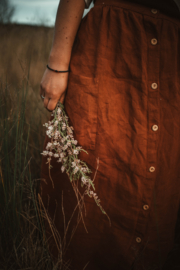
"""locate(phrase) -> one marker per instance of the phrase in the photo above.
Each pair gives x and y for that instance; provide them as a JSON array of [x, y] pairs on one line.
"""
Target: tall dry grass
[[23, 242], [22, 43]]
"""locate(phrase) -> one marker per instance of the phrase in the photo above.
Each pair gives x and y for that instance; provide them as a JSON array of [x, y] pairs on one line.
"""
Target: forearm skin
[[68, 18]]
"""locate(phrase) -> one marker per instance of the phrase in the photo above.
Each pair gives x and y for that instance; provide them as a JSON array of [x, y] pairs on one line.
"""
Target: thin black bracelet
[[58, 71]]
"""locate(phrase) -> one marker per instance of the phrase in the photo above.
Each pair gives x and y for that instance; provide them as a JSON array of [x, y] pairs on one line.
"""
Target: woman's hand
[[53, 88], [53, 85]]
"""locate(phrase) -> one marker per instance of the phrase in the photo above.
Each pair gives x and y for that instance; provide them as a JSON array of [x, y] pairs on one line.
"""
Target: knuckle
[[48, 91]]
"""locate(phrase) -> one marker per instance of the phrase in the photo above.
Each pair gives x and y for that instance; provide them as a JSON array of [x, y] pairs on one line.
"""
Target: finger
[[52, 104], [41, 90], [46, 101], [62, 98], [42, 96], [48, 110]]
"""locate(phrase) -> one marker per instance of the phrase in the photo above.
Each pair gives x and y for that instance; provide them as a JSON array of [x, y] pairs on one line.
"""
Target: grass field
[[24, 52]]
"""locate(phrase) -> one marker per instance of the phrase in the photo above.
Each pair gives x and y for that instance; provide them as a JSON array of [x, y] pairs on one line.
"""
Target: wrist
[[58, 61], [57, 71]]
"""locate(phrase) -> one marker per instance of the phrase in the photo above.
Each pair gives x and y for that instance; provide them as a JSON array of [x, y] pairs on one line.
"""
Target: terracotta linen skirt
[[123, 100]]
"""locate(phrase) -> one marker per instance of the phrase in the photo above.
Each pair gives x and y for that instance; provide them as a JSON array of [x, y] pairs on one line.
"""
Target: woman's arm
[[68, 18]]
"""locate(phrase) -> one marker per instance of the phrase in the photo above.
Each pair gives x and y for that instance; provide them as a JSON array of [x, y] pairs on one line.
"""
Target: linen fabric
[[169, 7], [123, 101]]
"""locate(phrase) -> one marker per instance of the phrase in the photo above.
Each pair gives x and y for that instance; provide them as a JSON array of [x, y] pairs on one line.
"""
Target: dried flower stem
[[64, 147]]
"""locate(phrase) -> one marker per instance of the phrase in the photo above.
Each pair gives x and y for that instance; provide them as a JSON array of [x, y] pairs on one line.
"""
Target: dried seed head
[[44, 153], [62, 168], [76, 152], [66, 151]]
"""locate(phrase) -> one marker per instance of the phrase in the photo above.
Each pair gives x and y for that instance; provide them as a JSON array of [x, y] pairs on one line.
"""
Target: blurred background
[[36, 12], [26, 31]]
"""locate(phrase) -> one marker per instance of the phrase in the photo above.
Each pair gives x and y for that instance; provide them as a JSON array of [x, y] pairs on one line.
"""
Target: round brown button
[[154, 85], [154, 11], [154, 127], [153, 41], [151, 169], [145, 207], [138, 239]]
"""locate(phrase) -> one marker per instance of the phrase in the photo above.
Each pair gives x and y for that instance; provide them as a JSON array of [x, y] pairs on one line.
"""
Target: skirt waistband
[[137, 8]]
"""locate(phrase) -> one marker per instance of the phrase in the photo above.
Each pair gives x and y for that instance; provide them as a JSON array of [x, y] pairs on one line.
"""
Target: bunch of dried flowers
[[64, 147]]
